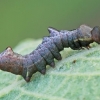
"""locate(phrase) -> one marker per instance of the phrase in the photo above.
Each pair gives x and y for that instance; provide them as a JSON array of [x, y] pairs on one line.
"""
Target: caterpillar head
[[96, 34]]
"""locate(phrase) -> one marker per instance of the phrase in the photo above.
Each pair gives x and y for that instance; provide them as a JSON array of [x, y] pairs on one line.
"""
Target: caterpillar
[[49, 49]]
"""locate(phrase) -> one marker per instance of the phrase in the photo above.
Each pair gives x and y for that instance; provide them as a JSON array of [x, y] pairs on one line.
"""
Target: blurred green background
[[21, 19]]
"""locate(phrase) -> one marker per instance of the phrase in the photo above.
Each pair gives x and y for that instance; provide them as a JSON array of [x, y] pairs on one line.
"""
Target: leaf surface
[[75, 77]]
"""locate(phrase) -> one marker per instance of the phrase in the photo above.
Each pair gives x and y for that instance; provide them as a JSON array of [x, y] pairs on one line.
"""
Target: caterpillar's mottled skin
[[49, 49]]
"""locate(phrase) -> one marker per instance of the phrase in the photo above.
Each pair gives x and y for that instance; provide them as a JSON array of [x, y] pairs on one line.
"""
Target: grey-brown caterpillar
[[49, 49]]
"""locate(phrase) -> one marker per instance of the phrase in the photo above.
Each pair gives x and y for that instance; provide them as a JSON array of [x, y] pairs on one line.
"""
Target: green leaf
[[69, 80]]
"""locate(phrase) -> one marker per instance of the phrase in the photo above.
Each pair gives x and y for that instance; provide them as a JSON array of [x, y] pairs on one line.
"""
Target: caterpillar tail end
[[13, 62]]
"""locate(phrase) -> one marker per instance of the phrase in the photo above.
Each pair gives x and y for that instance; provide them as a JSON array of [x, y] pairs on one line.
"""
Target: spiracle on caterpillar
[[49, 49]]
